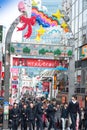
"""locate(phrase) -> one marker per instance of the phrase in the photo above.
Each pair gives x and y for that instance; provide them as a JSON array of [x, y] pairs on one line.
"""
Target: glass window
[[80, 6], [80, 21], [76, 55], [84, 17], [84, 4], [73, 26], [73, 1], [76, 8], [76, 43], [76, 25], [80, 38], [73, 10]]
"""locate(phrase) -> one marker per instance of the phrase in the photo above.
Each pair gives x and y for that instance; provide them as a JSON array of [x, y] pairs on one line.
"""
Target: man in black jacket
[[24, 117], [15, 117], [51, 114], [31, 116], [73, 109], [39, 113]]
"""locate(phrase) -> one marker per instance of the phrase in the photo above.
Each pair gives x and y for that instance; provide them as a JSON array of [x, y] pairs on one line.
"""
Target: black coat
[[31, 113], [15, 113], [51, 110], [64, 113], [39, 109], [24, 114], [74, 108]]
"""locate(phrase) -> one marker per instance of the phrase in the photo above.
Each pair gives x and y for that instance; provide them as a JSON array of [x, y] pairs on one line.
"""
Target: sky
[[9, 10]]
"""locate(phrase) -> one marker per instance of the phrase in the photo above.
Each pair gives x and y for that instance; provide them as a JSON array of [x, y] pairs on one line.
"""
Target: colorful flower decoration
[[58, 15], [28, 22]]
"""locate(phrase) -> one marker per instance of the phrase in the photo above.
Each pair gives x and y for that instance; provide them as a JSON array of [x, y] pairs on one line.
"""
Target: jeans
[[73, 120]]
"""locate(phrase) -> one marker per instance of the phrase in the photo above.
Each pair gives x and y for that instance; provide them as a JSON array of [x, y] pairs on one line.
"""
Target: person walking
[[64, 116], [15, 116], [39, 114], [85, 118], [58, 115], [74, 109], [24, 117], [31, 115], [51, 112]]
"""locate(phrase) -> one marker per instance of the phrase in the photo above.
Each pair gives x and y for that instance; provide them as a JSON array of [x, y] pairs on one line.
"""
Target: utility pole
[[71, 75]]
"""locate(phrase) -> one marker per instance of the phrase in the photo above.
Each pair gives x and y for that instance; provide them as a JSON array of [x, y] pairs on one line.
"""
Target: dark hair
[[42, 98], [74, 96], [53, 99]]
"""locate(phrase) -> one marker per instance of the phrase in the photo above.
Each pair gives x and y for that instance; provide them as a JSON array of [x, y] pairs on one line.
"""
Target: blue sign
[[15, 82], [6, 102]]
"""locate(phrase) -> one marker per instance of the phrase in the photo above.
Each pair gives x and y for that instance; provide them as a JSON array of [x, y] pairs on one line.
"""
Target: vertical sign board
[[0, 74], [6, 110]]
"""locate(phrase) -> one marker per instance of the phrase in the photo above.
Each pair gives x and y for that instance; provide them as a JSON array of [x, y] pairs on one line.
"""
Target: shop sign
[[15, 82]]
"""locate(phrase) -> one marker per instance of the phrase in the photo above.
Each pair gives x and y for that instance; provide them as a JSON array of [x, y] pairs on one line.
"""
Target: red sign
[[3, 75], [38, 62], [78, 78]]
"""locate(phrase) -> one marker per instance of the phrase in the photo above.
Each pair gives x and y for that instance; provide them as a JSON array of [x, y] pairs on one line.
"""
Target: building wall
[[77, 12]]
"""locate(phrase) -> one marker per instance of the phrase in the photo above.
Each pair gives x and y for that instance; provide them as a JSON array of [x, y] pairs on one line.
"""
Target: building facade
[[77, 12]]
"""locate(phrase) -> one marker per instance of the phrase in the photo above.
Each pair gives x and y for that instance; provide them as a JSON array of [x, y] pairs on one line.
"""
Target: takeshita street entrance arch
[[7, 62]]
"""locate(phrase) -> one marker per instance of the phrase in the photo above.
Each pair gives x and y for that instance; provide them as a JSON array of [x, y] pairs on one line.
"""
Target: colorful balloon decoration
[[58, 15], [28, 22], [64, 25], [43, 19], [41, 32], [57, 19], [21, 7], [34, 3]]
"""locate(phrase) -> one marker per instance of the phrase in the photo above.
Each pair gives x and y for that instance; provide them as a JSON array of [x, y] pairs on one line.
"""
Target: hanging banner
[[30, 62]]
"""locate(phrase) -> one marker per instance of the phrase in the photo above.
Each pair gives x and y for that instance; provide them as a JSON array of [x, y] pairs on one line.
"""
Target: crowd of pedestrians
[[41, 114]]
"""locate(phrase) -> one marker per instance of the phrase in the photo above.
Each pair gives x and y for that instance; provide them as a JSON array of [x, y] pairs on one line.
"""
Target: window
[[76, 25], [80, 19], [80, 38], [73, 1], [80, 6], [73, 26], [84, 17], [76, 8], [84, 4], [73, 12]]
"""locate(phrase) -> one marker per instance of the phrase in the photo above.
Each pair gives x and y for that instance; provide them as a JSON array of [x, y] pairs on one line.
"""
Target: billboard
[[44, 63], [83, 52]]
